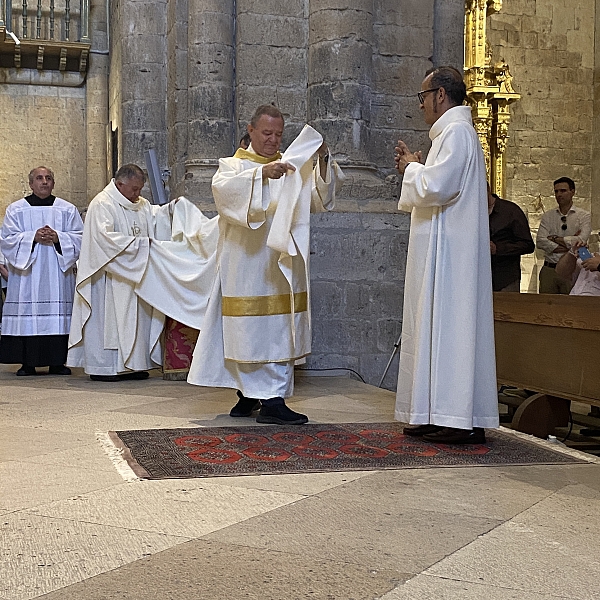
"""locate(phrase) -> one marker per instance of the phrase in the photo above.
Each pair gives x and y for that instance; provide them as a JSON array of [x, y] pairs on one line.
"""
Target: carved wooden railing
[[46, 35]]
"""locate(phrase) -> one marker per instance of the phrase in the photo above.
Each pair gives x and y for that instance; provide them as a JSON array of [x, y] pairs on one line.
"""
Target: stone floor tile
[[91, 457], [552, 547], [24, 442], [425, 587], [306, 484], [475, 491], [25, 485], [361, 523], [345, 404], [190, 508], [38, 555], [205, 570], [114, 421]]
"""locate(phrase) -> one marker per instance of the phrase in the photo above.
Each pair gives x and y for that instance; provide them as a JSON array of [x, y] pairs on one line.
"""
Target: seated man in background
[[582, 275]]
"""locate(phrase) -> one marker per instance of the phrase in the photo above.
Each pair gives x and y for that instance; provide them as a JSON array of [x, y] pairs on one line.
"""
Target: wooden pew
[[550, 344]]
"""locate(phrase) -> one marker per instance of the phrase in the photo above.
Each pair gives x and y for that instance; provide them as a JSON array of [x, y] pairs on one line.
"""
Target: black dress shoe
[[58, 370], [134, 375], [451, 435], [244, 407], [280, 414], [24, 371], [419, 430], [105, 378]]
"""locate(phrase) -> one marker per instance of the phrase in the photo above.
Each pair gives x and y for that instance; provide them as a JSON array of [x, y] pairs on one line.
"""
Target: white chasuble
[[447, 373], [259, 310], [128, 280], [41, 283]]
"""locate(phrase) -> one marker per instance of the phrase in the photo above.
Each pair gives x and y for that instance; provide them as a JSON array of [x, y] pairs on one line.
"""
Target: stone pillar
[[271, 62], [448, 33], [211, 63], [143, 81], [177, 94], [97, 100], [340, 64]]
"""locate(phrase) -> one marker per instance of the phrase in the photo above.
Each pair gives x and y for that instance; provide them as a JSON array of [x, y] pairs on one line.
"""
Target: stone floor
[[73, 528]]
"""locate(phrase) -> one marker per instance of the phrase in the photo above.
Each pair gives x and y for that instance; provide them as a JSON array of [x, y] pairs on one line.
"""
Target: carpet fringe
[[558, 446], [116, 457]]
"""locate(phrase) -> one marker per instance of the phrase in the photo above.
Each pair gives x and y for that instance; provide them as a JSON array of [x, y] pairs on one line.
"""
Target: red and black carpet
[[260, 450]]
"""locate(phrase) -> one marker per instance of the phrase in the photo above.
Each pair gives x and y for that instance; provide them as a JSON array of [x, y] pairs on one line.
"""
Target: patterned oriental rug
[[274, 449]]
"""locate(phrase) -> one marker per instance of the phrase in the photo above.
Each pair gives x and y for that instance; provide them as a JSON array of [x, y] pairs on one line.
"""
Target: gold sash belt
[[262, 306]]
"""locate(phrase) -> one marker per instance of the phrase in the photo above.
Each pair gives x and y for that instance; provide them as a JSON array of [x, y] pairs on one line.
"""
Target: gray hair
[[266, 109], [36, 169], [130, 171]]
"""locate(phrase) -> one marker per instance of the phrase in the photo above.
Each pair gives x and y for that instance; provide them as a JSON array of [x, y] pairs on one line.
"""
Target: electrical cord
[[337, 369], [570, 427]]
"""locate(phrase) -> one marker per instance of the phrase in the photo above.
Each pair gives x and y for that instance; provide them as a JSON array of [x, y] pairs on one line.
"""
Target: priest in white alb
[[40, 240], [139, 262], [257, 322], [447, 375]]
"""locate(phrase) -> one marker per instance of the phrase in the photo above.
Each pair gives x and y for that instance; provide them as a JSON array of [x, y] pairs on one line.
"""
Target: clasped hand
[[403, 156], [46, 235]]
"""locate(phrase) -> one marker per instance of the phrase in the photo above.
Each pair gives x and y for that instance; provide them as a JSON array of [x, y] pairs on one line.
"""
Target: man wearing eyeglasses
[[447, 377], [559, 229]]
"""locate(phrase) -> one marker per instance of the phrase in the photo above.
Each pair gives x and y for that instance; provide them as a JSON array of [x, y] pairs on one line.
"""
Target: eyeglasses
[[421, 95], [564, 223]]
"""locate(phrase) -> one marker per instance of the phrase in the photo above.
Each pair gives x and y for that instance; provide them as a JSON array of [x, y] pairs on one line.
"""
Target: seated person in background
[[583, 275], [510, 238]]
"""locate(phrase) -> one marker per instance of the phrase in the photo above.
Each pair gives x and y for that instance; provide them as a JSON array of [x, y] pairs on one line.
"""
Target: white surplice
[[447, 373], [125, 282], [258, 318], [39, 297]]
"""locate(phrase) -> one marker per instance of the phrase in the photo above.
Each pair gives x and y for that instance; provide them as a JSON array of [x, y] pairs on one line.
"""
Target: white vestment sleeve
[[70, 241], [17, 245], [182, 270], [441, 179], [239, 194]]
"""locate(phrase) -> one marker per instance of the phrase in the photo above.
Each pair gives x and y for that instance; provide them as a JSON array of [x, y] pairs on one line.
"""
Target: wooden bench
[[550, 344]]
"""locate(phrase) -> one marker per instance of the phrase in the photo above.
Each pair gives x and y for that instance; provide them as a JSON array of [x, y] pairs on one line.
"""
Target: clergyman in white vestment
[[41, 238], [258, 317], [447, 375], [125, 285]]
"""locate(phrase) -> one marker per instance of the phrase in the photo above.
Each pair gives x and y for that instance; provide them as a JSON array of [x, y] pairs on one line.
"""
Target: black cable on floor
[[337, 369], [570, 427]]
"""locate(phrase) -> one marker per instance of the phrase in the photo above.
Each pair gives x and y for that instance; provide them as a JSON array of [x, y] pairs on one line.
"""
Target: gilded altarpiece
[[489, 90]]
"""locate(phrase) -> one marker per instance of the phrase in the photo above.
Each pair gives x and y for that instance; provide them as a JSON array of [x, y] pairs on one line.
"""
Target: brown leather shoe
[[420, 430], [451, 435]]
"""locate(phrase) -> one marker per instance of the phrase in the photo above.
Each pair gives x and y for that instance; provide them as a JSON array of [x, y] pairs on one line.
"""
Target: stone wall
[[42, 125], [549, 45]]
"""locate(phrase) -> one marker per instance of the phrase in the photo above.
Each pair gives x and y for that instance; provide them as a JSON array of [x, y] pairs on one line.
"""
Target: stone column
[[271, 62], [143, 80], [211, 63], [448, 33], [97, 100], [340, 58], [177, 94]]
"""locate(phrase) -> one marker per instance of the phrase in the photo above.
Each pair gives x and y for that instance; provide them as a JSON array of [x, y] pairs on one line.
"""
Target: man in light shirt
[[559, 229]]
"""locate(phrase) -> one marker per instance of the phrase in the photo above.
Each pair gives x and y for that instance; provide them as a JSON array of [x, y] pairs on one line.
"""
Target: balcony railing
[[46, 35]]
